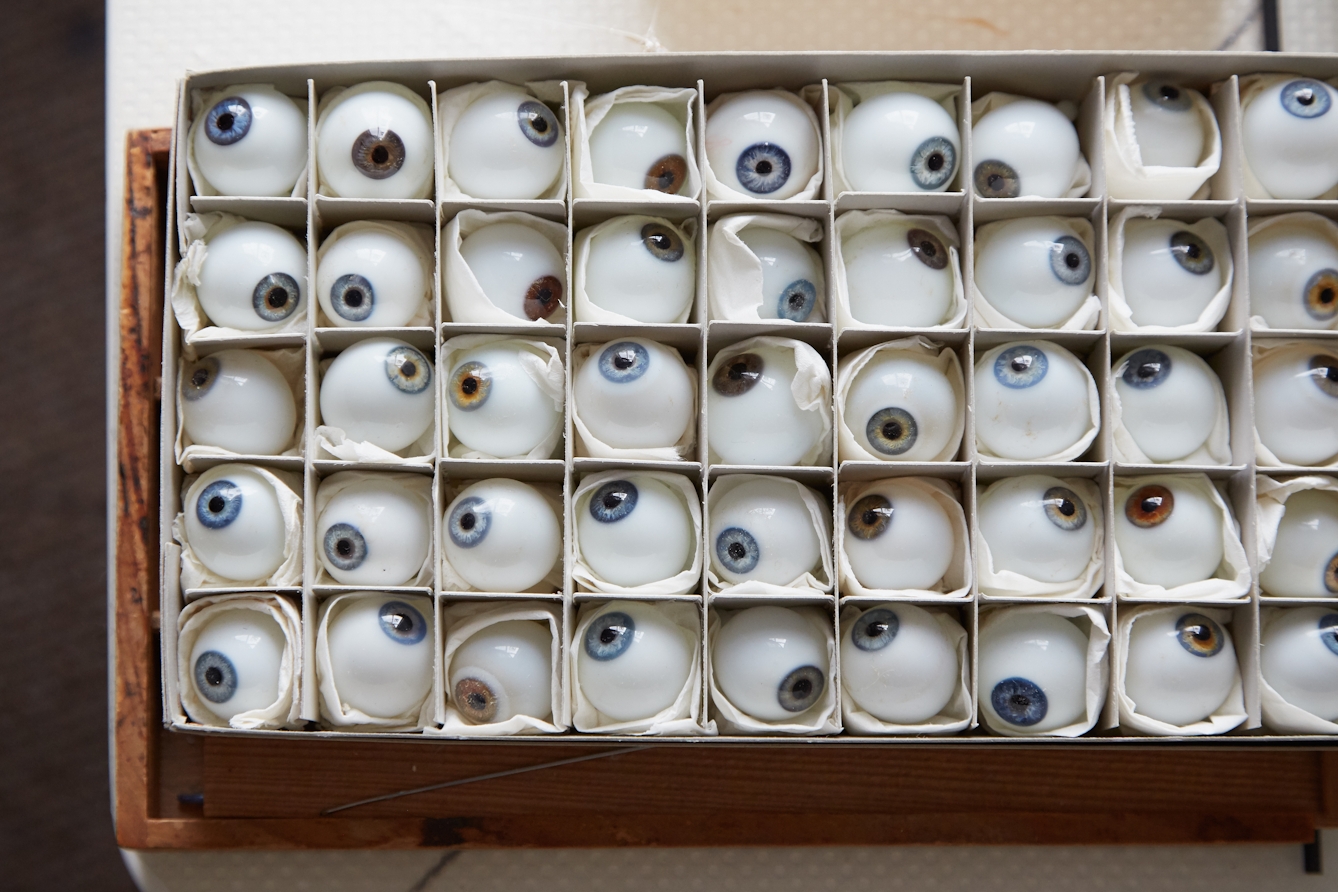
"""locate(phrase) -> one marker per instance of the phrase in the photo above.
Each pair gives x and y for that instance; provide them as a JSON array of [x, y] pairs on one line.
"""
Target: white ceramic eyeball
[[639, 145], [1166, 124], [635, 394], [494, 405], [381, 654], [643, 268], [792, 280], [234, 523], [503, 670], [374, 532], [1294, 274], [1299, 659], [1036, 271], [898, 274], [1181, 666], [1033, 672], [902, 407], [1304, 563], [1290, 135], [1026, 148], [762, 530], [518, 269], [898, 537], [1170, 274], [251, 141], [379, 391], [751, 414], [501, 535], [900, 142], [633, 661], [1031, 400], [899, 665], [635, 530], [763, 143], [253, 278], [1169, 533], [1038, 527], [376, 142], [371, 277], [237, 400], [770, 663], [235, 662], [506, 144], [1169, 400], [1296, 404]]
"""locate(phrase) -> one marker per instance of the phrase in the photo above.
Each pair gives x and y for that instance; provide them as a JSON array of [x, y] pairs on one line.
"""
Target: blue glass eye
[[276, 297], [401, 623], [1167, 95], [469, 521], [1305, 99], [623, 362], [228, 121], [1324, 372], [933, 163], [801, 689], [1192, 253], [892, 431], [345, 546], [1020, 366], [797, 301], [352, 297], [662, 242], [1070, 261], [763, 168], [609, 636], [215, 677], [613, 501], [199, 379], [1146, 369], [219, 504], [1064, 509], [875, 629], [1019, 702], [538, 123], [1199, 635], [737, 550], [408, 369], [1328, 626]]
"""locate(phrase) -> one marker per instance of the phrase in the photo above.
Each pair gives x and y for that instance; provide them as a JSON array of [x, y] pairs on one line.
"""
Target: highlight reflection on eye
[[634, 394], [1035, 270], [237, 400], [252, 277], [1170, 273], [1169, 533], [1033, 672], [1296, 404], [897, 274], [373, 532], [371, 277], [1031, 400], [1289, 137], [762, 529], [639, 145], [1304, 562], [763, 143], [899, 665], [234, 524], [901, 407], [1299, 658], [900, 142], [495, 406], [643, 268], [501, 536], [1168, 132], [770, 663], [252, 141], [1149, 506], [634, 661], [235, 661], [1294, 273], [375, 141], [898, 537], [1064, 509], [1025, 148], [518, 269], [752, 416], [505, 144], [635, 531], [503, 670], [1180, 668], [1037, 527], [791, 274], [381, 654]]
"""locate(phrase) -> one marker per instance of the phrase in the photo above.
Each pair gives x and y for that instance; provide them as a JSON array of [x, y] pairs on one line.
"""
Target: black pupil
[[624, 361], [1149, 370], [737, 551], [892, 430], [402, 623], [225, 121], [995, 180], [1200, 633], [1326, 296], [539, 124], [1066, 508], [614, 499], [1192, 252], [213, 675], [928, 249], [344, 547], [199, 377], [875, 630], [408, 369], [1306, 96], [1072, 260], [796, 300], [1169, 93], [544, 295], [216, 504], [1021, 363], [802, 688], [380, 154], [935, 161], [1331, 373], [476, 700], [737, 371], [353, 297], [870, 517], [764, 167], [1151, 504], [609, 635], [467, 521], [277, 297], [470, 386], [1020, 702], [659, 240]]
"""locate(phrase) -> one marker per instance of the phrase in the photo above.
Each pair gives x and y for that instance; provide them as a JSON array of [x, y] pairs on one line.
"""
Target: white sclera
[[648, 404], [374, 109], [381, 654], [758, 120], [1299, 657], [493, 155], [792, 281], [649, 541], [911, 550], [762, 424], [1162, 284], [1294, 275], [1173, 678], [1292, 156], [1168, 400], [1033, 673], [641, 268], [368, 393], [267, 157], [1304, 562], [1036, 271], [1168, 129], [249, 269], [891, 388], [890, 283], [764, 530], [627, 142], [394, 287], [1179, 547], [252, 645], [501, 535], [888, 141], [236, 530], [771, 663], [242, 403], [508, 260], [1033, 138], [514, 415], [1296, 407], [899, 665], [1022, 520], [633, 661], [382, 535], [506, 670], [1038, 416]]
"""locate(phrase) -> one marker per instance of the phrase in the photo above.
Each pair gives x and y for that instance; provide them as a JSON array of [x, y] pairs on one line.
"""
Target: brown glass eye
[[542, 298], [1324, 372], [1149, 506], [1331, 574], [475, 699], [994, 179], [378, 155], [470, 386], [869, 517], [738, 375], [668, 174], [1321, 295], [928, 248], [1199, 635]]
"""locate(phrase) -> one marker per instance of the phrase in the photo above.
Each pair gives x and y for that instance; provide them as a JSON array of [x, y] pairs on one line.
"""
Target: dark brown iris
[[738, 374], [378, 154], [928, 248], [1149, 506], [668, 174], [542, 298]]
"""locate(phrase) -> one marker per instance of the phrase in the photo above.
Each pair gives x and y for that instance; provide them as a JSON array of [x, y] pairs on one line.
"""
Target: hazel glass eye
[[1169, 400], [1299, 657], [643, 268], [900, 142], [1296, 405], [898, 537], [1026, 148], [1170, 274], [635, 531], [1166, 125], [901, 407], [494, 406], [763, 144], [899, 665], [1036, 271], [635, 394], [898, 274], [235, 662], [503, 670], [237, 400], [253, 141], [792, 280], [379, 391], [518, 269], [1180, 668], [633, 661], [506, 144], [762, 530], [501, 536], [1033, 672], [752, 417], [1304, 563], [1169, 534], [381, 654], [370, 277], [375, 141], [234, 523], [253, 277], [770, 663], [639, 145], [1031, 400], [1289, 132], [1038, 527], [1294, 274], [374, 532]]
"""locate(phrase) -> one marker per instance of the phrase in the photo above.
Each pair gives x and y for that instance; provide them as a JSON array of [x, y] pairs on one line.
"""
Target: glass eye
[[381, 654], [898, 275], [371, 277], [503, 670], [1304, 563], [493, 404], [639, 145], [1181, 666], [1026, 148], [253, 141], [762, 530], [898, 537], [792, 280], [234, 523], [518, 269], [1169, 400], [1031, 400], [1169, 534], [635, 531], [1170, 274], [1294, 273], [501, 536], [643, 268], [506, 144], [235, 662], [1033, 672], [635, 394], [1168, 131], [900, 142], [237, 400], [899, 665], [763, 143], [752, 417], [770, 663], [1037, 527], [375, 141], [1296, 405], [902, 407], [633, 661], [1035, 271], [378, 391], [374, 532], [1299, 658], [1289, 132], [253, 277]]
